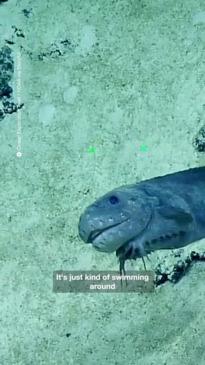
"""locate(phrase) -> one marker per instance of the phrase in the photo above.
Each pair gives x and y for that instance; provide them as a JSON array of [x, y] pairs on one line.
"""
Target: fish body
[[165, 212]]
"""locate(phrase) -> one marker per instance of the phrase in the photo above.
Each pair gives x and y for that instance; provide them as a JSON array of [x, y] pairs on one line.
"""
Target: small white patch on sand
[[46, 113], [70, 94], [199, 18], [88, 39]]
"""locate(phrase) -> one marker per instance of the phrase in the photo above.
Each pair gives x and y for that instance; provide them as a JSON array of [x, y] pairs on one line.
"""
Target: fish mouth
[[93, 235], [97, 232]]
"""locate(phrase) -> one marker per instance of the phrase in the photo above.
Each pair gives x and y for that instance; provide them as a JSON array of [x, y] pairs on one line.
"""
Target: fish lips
[[101, 241]]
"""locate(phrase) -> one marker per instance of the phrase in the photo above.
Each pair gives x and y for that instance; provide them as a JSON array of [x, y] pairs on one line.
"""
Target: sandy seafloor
[[113, 75]]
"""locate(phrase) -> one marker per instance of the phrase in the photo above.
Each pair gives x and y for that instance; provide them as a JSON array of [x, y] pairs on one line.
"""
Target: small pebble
[[70, 94], [46, 113]]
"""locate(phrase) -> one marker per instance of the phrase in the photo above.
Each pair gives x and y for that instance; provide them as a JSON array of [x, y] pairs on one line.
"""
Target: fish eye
[[113, 199]]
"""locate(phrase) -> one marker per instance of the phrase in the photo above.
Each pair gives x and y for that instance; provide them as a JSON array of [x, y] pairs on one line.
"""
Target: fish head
[[116, 218]]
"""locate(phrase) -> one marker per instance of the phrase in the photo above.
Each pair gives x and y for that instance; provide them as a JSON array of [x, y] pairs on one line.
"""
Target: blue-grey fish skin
[[165, 212]]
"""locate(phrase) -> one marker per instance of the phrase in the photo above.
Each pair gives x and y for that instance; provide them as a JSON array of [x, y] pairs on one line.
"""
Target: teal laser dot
[[91, 149]]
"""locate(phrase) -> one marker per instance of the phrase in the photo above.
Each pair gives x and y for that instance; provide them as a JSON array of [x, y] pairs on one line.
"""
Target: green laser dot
[[91, 149], [143, 148]]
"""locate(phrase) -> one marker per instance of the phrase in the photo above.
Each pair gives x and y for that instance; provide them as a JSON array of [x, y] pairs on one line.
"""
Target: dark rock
[[199, 140], [9, 107], [6, 71], [27, 12], [5, 90], [2, 115], [180, 269]]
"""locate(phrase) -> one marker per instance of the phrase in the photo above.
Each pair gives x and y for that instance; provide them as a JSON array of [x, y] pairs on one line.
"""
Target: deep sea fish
[[165, 212]]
